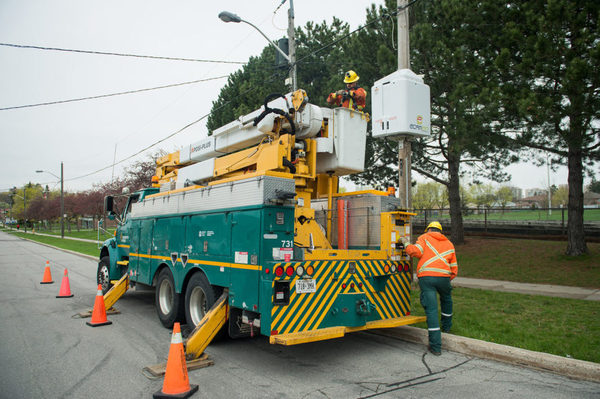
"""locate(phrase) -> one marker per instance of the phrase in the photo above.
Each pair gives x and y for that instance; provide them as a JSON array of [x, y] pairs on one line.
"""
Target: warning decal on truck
[[241, 257]]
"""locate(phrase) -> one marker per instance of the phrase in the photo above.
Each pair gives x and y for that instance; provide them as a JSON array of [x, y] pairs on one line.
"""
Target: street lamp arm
[[45, 171], [269, 40]]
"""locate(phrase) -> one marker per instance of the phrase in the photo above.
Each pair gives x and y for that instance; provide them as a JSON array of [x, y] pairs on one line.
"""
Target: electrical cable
[[272, 77], [156, 57], [112, 94], [206, 115], [386, 15]]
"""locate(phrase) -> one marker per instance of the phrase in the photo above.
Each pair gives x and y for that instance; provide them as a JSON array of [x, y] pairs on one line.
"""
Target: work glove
[[405, 241]]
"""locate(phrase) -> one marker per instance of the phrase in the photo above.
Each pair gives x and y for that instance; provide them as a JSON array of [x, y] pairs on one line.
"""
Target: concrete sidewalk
[[589, 294]]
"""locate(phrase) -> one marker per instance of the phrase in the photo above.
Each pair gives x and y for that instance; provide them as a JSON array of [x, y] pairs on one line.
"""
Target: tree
[[503, 196], [452, 46], [483, 195], [561, 196], [319, 72], [594, 186], [549, 68], [429, 195]]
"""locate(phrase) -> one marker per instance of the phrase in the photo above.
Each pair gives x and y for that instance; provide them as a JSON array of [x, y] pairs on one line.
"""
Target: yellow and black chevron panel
[[348, 293]]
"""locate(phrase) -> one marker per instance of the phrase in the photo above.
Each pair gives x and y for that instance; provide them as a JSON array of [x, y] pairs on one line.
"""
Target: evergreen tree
[[551, 89], [453, 47]]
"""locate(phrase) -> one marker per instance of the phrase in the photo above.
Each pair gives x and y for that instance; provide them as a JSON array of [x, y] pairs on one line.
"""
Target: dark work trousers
[[430, 286]]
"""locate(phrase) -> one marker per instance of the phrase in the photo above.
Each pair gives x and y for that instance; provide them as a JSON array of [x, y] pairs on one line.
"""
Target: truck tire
[[103, 274], [200, 296], [169, 304]]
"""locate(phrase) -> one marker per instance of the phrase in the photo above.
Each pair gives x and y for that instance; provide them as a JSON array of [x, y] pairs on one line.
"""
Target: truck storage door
[[144, 266], [245, 244], [134, 249]]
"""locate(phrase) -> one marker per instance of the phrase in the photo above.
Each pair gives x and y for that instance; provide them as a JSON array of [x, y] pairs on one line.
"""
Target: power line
[[118, 54], [271, 78], [386, 15], [226, 103], [112, 94]]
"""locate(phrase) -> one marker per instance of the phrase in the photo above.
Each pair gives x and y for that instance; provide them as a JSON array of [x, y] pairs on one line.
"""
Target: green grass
[[564, 327], [87, 248], [87, 234], [528, 261], [589, 215]]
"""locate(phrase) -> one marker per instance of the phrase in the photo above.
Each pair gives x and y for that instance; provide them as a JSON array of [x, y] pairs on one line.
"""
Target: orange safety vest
[[436, 255], [356, 99]]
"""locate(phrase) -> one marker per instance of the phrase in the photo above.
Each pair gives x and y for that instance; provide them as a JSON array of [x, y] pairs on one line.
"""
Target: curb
[[573, 368], [62, 249]]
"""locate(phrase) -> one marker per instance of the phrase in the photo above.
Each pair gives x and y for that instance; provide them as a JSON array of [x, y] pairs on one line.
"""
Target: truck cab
[[114, 255]]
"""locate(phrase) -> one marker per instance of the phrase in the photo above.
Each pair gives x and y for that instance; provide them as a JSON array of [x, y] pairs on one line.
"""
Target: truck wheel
[[200, 296], [168, 302], [103, 275]]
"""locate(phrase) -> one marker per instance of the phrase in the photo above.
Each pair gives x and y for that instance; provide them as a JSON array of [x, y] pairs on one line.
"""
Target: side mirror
[[109, 206]]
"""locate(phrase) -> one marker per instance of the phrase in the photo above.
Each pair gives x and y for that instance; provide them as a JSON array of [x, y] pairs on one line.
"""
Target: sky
[[88, 135]]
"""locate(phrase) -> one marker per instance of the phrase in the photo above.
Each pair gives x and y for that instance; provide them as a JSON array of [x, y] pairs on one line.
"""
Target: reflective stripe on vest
[[437, 256], [420, 248]]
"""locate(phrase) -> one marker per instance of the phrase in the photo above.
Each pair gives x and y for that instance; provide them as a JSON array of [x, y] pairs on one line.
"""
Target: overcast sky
[[84, 134]]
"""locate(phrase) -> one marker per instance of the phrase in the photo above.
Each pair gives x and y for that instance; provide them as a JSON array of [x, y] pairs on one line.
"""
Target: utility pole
[[292, 46], [549, 187], [62, 203], [404, 145], [25, 206]]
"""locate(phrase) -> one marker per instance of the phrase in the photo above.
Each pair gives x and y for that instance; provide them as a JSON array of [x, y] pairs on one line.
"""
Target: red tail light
[[289, 271], [279, 271]]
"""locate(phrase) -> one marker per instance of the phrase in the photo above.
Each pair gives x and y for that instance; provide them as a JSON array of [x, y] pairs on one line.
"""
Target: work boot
[[434, 352]]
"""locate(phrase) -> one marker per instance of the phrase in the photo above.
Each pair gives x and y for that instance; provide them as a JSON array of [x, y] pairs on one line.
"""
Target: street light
[[62, 198], [227, 16]]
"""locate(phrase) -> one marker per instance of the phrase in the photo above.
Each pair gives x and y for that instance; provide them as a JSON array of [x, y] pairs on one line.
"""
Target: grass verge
[[528, 261], [87, 248], [87, 234], [563, 327]]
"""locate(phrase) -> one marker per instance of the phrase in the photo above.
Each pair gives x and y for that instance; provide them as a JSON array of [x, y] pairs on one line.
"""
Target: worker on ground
[[354, 97], [437, 266]]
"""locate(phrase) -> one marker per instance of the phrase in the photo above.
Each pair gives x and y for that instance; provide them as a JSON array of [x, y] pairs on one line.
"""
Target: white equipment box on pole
[[401, 105]]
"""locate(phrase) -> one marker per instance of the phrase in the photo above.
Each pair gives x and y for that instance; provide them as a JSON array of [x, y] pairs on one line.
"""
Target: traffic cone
[[99, 312], [47, 279], [65, 287], [176, 383]]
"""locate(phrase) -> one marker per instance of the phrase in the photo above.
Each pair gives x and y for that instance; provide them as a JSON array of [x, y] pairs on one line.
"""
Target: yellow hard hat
[[435, 225], [350, 77]]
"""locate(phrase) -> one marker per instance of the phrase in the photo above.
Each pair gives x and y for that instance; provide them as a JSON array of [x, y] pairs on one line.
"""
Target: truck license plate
[[306, 286]]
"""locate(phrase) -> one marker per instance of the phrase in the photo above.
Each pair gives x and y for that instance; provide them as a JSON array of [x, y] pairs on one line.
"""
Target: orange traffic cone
[[99, 312], [47, 279], [176, 383], [65, 287]]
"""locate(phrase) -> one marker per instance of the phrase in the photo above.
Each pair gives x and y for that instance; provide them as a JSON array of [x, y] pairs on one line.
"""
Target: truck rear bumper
[[322, 334]]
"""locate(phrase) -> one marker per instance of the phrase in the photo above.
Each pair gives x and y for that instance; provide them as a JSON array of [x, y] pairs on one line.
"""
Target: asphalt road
[[45, 353]]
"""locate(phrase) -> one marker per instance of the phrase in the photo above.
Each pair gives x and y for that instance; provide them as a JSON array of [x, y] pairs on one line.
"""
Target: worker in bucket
[[437, 266], [353, 97]]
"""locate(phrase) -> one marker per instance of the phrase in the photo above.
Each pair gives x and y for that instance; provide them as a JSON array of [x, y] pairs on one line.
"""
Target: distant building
[[534, 201], [532, 192], [517, 193], [591, 199]]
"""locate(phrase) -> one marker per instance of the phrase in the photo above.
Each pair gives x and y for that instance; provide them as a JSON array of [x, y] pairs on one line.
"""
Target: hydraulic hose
[[268, 110]]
